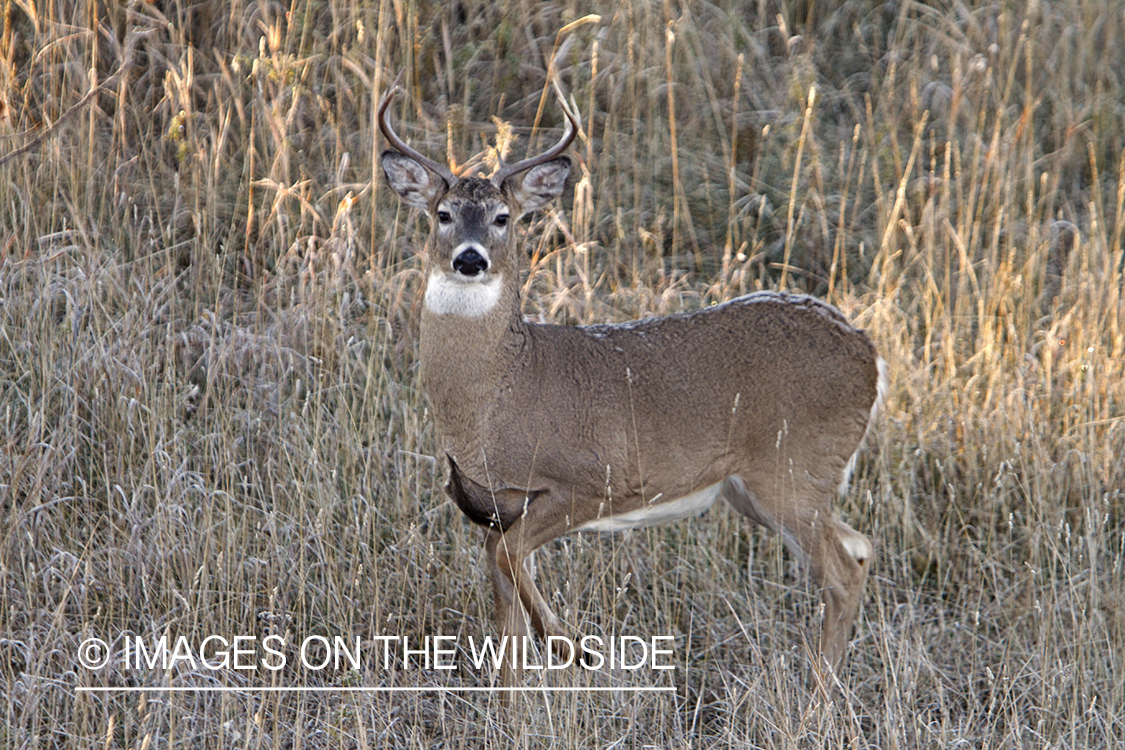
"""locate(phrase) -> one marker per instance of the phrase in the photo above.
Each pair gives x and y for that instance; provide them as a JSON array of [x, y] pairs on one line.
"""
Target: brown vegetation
[[211, 422]]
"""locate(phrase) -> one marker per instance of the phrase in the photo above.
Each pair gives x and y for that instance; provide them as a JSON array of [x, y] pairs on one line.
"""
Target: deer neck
[[470, 339]]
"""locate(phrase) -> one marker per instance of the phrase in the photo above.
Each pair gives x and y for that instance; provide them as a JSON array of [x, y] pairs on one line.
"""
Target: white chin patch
[[465, 299]]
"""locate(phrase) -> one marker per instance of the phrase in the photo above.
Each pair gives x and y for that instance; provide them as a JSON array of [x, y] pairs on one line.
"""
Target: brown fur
[[547, 428]]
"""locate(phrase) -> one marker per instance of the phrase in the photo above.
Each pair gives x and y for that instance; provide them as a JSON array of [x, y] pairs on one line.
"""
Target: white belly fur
[[659, 512]]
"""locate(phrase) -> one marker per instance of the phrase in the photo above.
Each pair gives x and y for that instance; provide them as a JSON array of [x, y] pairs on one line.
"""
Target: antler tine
[[399, 144], [507, 170]]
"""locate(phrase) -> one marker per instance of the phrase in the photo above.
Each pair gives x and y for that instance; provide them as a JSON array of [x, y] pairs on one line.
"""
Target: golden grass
[[212, 425]]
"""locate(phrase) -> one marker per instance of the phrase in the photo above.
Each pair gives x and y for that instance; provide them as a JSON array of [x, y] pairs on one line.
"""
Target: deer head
[[472, 246]]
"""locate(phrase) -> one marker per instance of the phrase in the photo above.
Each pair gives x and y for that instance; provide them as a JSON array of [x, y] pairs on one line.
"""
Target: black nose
[[470, 263]]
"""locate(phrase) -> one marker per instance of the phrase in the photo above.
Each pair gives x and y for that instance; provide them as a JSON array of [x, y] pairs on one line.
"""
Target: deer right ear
[[415, 184]]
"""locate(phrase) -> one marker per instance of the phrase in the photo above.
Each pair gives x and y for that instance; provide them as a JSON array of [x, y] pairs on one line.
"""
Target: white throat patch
[[465, 299]]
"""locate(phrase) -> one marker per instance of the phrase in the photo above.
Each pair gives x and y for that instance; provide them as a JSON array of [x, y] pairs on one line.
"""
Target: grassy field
[[210, 421]]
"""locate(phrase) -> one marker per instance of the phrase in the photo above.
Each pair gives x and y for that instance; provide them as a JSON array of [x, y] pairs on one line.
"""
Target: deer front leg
[[510, 616], [515, 593]]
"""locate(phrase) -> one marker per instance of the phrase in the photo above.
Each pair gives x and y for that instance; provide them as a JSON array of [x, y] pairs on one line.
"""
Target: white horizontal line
[[297, 689]]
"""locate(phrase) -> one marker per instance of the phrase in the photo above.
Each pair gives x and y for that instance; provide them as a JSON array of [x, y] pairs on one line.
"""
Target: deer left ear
[[538, 186]]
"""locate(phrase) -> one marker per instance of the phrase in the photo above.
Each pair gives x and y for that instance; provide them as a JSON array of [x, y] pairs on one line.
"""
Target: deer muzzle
[[470, 262]]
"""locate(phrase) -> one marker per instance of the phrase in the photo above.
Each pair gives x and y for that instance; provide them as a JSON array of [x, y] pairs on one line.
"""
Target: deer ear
[[415, 184], [538, 186]]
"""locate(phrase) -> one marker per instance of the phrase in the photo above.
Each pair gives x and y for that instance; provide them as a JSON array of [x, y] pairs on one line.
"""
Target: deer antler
[[507, 170], [399, 144]]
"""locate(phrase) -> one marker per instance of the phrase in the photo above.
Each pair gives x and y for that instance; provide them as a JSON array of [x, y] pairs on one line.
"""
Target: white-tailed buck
[[547, 430]]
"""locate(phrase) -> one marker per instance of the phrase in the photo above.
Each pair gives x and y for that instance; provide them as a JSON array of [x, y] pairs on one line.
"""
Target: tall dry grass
[[211, 422]]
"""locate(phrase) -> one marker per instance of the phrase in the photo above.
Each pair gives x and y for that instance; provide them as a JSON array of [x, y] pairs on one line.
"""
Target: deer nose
[[469, 262]]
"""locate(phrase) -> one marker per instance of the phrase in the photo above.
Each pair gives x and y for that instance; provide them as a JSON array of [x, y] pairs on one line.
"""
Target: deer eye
[[501, 220], [444, 217]]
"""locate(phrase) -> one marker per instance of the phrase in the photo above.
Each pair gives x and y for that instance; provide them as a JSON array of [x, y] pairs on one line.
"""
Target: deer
[[546, 430]]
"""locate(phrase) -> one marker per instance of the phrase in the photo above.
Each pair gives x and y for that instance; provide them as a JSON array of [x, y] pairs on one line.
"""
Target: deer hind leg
[[838, 556], [517, 598], [841, 571]]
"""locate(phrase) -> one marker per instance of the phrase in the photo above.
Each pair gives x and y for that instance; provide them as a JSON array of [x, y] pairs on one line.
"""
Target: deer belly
[[660, 511]]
